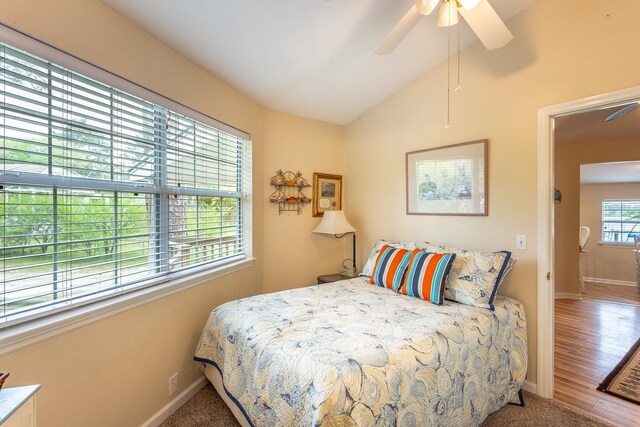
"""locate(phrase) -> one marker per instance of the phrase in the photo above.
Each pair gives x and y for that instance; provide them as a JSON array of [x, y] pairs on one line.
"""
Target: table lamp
[[336, 224]]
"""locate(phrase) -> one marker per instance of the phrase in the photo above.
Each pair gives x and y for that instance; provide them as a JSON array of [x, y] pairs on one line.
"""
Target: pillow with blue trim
[[426, 276], [390, 268], [475, 276]]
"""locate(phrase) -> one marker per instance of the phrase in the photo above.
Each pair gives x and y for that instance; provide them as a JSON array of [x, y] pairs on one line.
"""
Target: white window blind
[[103, 192], [620, 218]]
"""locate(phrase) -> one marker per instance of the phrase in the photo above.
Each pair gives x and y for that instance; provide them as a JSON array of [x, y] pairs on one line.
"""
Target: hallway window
[[620, 218]]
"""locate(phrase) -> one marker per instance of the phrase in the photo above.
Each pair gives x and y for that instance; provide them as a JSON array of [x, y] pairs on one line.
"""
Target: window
[[619, 219], [103, 192]]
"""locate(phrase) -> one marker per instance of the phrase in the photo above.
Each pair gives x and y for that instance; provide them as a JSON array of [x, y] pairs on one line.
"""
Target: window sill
[[630, 245], [22, 335]]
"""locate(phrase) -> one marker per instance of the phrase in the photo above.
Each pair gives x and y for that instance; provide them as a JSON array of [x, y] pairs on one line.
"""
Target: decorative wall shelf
[[288, 194]]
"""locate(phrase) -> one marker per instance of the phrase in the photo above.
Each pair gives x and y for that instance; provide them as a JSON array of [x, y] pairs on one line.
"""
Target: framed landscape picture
[[327, 193], [450, 180]]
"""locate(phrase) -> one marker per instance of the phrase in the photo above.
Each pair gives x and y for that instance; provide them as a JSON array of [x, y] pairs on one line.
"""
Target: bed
[[350, 353]]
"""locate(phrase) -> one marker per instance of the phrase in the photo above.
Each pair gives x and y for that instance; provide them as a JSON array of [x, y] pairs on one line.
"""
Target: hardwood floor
[[613, 293], [591, 337]]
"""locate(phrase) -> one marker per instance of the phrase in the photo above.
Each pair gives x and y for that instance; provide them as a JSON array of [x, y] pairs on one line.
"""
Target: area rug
[[624, 380]]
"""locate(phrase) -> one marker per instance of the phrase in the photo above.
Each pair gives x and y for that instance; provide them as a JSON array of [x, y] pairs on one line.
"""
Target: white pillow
[[475, 276]]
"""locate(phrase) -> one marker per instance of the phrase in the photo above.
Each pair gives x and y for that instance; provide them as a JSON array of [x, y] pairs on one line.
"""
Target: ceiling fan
[[621, 112], [479, 14]]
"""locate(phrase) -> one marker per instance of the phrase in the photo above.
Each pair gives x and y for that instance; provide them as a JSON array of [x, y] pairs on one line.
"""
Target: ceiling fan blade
[[425, 7], [621, 112], [485, 22], [400, 31]]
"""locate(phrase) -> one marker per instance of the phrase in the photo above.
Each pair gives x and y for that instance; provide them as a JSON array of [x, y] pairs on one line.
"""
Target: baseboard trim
[[609, 281], [567, 295], [530, 387], [168, 409]]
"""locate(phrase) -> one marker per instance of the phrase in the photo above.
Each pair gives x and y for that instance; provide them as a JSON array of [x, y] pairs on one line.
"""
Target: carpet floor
[[206, 408]]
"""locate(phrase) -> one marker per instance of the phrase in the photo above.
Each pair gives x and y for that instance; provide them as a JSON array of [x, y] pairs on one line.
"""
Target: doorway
[[547, 278], [610, 211], [593, 327]]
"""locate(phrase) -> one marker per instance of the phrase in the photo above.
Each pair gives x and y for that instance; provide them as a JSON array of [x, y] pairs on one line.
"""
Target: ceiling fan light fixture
[[425, 7], [469, 4], [448, 14], [479, 14]]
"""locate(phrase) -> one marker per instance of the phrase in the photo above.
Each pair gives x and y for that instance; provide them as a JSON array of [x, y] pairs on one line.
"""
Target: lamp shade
[[334, 222]]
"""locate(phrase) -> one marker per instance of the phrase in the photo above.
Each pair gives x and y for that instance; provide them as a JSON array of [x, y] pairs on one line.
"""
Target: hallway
[[591, 336]]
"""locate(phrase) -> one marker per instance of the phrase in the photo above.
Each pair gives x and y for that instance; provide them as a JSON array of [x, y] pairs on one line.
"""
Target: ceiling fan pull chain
[[459, 87], [448, 125]]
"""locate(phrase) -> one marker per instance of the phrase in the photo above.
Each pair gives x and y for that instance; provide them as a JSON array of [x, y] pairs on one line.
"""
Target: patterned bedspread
[[350, 353]]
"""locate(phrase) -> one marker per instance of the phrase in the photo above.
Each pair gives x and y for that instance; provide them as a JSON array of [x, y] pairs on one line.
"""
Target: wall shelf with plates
[[288, 194]]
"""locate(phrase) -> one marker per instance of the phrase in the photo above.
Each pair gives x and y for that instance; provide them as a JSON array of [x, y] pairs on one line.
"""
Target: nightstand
[[18, 406], [328, 278]]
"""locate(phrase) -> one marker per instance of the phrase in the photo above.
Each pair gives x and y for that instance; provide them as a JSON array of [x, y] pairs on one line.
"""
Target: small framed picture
[[327, 193], [450, 180]]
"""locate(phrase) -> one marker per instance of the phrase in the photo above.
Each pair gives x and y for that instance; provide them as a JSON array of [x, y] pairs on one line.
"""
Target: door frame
[[546, 268]]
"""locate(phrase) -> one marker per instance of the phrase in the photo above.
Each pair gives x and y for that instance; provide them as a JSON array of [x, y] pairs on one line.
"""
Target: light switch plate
[[521, 242]]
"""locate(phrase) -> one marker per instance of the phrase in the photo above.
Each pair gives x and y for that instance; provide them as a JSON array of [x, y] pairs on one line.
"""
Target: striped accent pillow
[[390, 267], [426, 276], [367, 270]]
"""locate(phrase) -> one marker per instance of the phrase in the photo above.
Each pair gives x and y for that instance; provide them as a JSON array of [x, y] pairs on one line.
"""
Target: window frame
[[30, 329], [603, 221]]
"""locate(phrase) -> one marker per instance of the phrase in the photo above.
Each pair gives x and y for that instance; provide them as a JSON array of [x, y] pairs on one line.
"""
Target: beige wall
[[606, 262], [567, 218], [561, 51], [115, 371], [294, 256], [569, 157], [124, 361]]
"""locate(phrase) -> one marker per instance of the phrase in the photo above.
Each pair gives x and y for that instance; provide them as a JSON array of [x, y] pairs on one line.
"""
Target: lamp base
[[348, 271]]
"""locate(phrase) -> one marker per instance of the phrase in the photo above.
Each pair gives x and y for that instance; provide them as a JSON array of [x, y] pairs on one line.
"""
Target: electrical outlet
[[173, 384], [521, 242]]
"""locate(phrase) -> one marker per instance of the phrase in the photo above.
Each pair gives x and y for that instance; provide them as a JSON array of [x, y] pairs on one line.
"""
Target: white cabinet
[[18, 406]]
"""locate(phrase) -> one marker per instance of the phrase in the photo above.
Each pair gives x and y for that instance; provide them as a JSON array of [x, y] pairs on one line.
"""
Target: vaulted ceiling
[[311, 58]]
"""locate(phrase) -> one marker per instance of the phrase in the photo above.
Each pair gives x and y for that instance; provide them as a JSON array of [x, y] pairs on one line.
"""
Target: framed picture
[[327, 193], [449, 180]]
